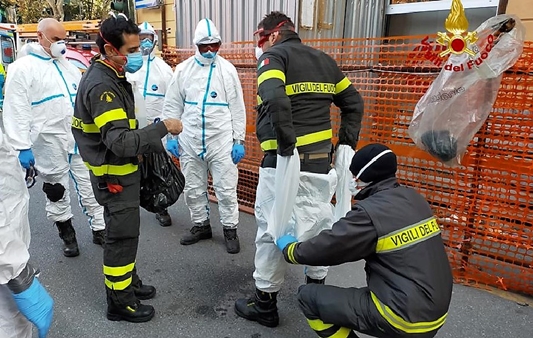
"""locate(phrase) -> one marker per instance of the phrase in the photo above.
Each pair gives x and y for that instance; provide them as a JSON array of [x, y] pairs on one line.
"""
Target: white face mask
[[58, 49], [356, 187], [258, 52]]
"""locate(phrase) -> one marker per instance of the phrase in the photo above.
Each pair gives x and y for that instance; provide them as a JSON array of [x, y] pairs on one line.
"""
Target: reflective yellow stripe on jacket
[[304, 87], [109, 116], [109, 169], [300, 140], [408, 236], [403, 325], [90, 128]]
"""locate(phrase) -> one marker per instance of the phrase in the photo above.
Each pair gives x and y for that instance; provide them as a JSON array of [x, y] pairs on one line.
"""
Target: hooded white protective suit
[[14, 239], [152, 79], [206, 94], [38, 109]]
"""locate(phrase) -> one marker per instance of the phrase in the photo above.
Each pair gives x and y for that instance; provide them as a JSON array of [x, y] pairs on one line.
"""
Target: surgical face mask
[[146, 46], [134, 62], [209, 55], [356, 187], [258, 52]]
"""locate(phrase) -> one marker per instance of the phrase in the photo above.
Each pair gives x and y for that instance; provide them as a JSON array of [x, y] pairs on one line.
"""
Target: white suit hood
[[27, 49], [206, 32], [146, 28]]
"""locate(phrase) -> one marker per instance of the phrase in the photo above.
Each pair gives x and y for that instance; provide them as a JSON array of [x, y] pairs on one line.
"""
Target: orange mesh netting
[[485, 206]]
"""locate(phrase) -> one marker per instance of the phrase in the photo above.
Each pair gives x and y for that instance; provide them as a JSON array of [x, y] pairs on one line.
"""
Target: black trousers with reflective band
[[349, 308], [122, 218]]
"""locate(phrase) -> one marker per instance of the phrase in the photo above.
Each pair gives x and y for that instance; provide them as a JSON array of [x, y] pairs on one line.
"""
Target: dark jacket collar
[[290, 37], [108, 69]]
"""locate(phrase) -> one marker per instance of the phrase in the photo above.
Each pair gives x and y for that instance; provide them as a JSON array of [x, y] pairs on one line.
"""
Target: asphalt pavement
[[198, 284]]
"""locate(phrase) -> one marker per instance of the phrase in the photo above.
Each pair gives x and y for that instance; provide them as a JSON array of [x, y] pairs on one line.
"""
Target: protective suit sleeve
[[352, 238], [17, 112], [109, 116], [236, 105], [276, 104], [350, 102], [174, 99]]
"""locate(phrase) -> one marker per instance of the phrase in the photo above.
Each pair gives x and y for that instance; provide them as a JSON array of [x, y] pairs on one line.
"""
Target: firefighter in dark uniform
[[296, 86], [408, 273], [109, 142]]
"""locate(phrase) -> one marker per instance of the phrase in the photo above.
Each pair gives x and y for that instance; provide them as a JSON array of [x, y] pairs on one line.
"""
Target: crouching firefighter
[[393, 229], [109, 142]]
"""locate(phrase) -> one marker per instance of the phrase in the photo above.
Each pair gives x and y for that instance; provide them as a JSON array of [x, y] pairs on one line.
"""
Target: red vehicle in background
[[80, 58]]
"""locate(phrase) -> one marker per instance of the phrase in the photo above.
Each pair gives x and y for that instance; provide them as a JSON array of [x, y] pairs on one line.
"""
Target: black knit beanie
[[382, 168]]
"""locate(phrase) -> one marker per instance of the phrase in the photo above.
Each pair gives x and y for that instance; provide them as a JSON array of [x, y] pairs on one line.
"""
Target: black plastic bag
[[161, 182]]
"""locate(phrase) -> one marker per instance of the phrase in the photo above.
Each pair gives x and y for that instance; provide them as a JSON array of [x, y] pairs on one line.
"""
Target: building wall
[[153, 16], [524, 10]]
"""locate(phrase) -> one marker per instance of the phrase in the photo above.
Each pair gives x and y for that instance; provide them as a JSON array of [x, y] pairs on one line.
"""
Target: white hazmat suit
[[152, 79], [206, 94], [38, 110], [14, 240]]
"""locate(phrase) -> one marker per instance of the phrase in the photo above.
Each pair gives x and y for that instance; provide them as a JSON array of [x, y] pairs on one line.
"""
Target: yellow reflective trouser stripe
[[343, 332], [408, 236], [108, 116], [319, 326], [117, 271], [118, 285], [342, 85], [271, 74], [403, 325], [310, 87], [87, 128], [109, 169], [300, 140]]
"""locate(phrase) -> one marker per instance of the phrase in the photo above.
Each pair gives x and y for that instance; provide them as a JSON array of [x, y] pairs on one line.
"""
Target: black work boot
[[68, 235], [198, 232], [164, 218], [233, 245], [260, 308], [135, 313], [99, 237], [309, 280], [144, 292]]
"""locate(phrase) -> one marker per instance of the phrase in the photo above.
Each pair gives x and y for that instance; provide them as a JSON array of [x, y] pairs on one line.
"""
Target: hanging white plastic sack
[[343, 196], [286, 188], [460, 99]]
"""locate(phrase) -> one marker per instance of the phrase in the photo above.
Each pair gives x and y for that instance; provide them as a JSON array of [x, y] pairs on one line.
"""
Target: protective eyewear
[[31, 175], [261, 35]]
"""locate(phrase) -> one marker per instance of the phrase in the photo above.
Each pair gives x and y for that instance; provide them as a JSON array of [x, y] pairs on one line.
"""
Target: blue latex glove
[[37, 306], [285, 240], [26, 158], [173, 147], [237, 153]]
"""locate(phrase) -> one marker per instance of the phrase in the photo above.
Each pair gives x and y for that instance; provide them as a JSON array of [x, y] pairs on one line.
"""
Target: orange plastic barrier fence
[[485, 207]]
